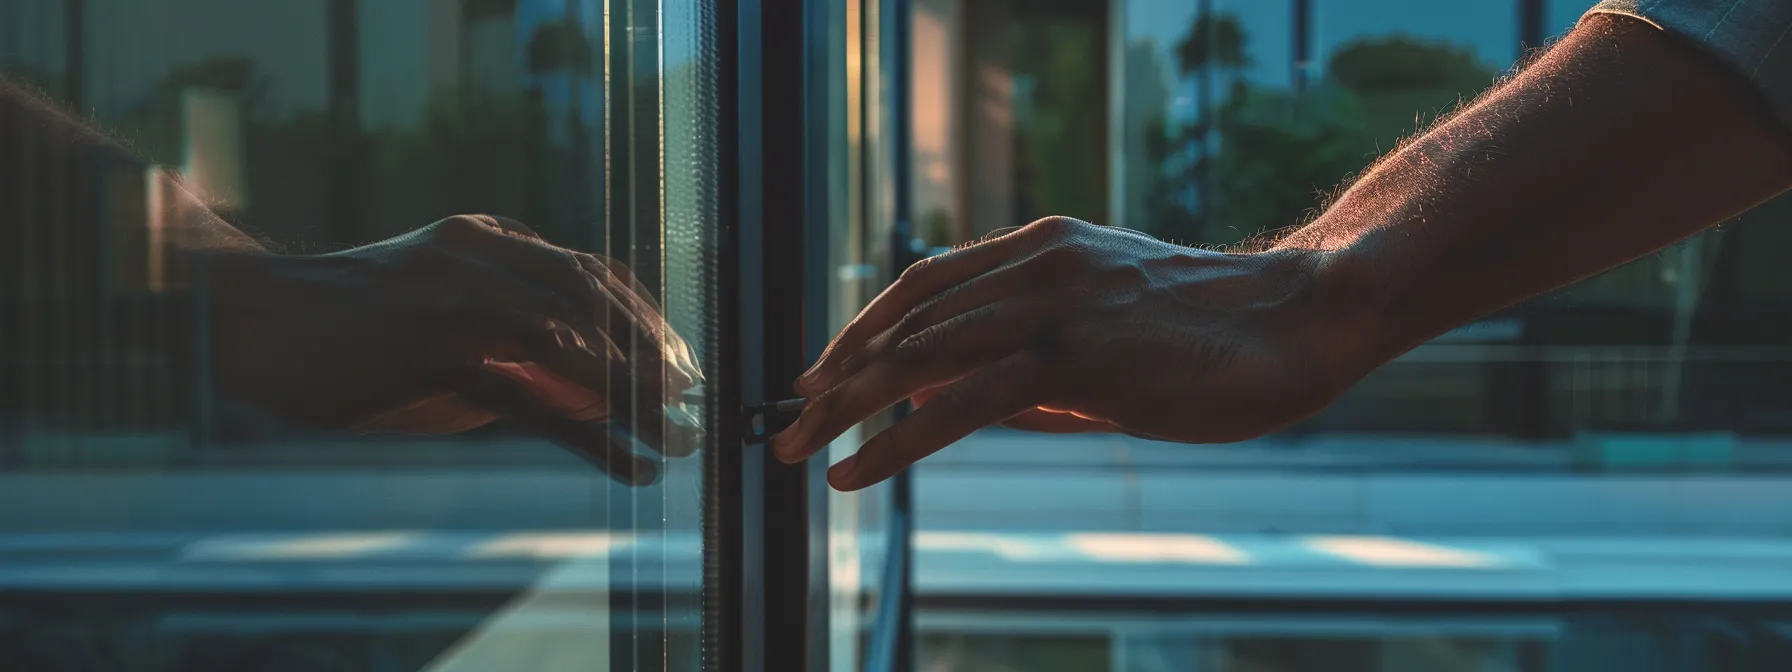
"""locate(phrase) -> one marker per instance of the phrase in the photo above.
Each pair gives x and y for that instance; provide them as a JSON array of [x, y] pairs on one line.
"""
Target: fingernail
[[838, 473], [806, 382]]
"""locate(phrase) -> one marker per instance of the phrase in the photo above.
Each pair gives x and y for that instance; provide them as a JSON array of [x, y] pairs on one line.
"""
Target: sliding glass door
[[150, 518]]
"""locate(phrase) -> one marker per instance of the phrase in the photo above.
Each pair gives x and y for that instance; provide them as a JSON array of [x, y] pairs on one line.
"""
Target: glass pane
[[861, 204], [266, 403], [1572, 484]]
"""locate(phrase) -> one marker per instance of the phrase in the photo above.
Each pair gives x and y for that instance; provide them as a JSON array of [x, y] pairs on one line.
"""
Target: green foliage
[[1277, 155], [558, 46], [1061, 159], [1402, 63], [1216, 41], [1405, 83]]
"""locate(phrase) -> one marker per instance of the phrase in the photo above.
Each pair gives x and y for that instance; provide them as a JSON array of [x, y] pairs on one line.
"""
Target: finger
[[936, 356], [1053, 422], [559, 394], [640, 330], [595, 442], [1040, 419], [487, 245], [556, 270], [477, 289], [1004, 282], [605, 308], [924, 279], [995, 393], [920, 398], [678, 350], [592, 381], [998, 233], [972, 336], [498, 329], [636, 402], [627, 278], [643, 408], [510, 226]]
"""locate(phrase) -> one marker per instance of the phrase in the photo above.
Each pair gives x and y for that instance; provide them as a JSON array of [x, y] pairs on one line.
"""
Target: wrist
[[1343, 314]]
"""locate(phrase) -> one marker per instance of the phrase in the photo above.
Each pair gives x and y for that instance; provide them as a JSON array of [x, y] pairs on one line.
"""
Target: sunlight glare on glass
[[330, 546], [549, 545], [1007, 547], [1160, 548], [1390, 552]]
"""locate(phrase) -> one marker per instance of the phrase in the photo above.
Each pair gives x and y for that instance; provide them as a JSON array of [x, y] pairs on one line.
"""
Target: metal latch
[[759, 422]]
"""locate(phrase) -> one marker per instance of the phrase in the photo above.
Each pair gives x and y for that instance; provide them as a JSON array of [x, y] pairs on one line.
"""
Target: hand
[[448, 328], [1063, 326]]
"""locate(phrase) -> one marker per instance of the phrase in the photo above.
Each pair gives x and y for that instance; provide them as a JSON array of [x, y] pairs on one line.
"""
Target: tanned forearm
[[1619, 141]]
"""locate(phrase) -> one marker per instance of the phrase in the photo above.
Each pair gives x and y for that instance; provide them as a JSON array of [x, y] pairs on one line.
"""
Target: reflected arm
[[49, 155], [98, 252]]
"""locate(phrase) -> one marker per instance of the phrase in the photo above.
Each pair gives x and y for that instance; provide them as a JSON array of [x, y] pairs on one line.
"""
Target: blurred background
[[1594, 480], [147, 524], [1600, 479]]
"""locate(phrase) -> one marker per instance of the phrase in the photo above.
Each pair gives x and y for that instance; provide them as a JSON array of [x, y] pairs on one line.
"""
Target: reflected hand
[[448, 328], [1063, 326]]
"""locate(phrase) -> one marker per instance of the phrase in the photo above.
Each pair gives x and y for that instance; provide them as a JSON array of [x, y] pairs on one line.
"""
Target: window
[[153, 519]]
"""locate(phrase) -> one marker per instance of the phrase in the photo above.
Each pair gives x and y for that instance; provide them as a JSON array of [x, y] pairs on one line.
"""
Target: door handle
[[760, 421]]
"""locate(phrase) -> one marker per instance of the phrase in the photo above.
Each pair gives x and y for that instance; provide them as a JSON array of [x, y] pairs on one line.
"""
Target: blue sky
[[1490, 28]]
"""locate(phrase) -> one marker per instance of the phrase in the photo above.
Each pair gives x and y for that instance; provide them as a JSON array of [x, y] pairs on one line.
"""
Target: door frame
[[771, 609]]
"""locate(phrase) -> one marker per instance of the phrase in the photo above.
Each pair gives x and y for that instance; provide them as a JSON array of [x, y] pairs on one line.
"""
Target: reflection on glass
[[180, 488], [860, 200]]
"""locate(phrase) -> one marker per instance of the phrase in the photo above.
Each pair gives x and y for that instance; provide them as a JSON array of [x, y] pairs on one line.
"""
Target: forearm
[[93, 272], [50, 160], [1618, 142]]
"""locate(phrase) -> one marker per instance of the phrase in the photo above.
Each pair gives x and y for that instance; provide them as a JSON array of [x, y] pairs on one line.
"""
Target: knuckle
[[593, 287], [823, 405], [510, 225], [571, 263], [616, 269], [943, 347], [1056, 225], [463, 225], [603, 273], [919, 347], [916, 270]]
